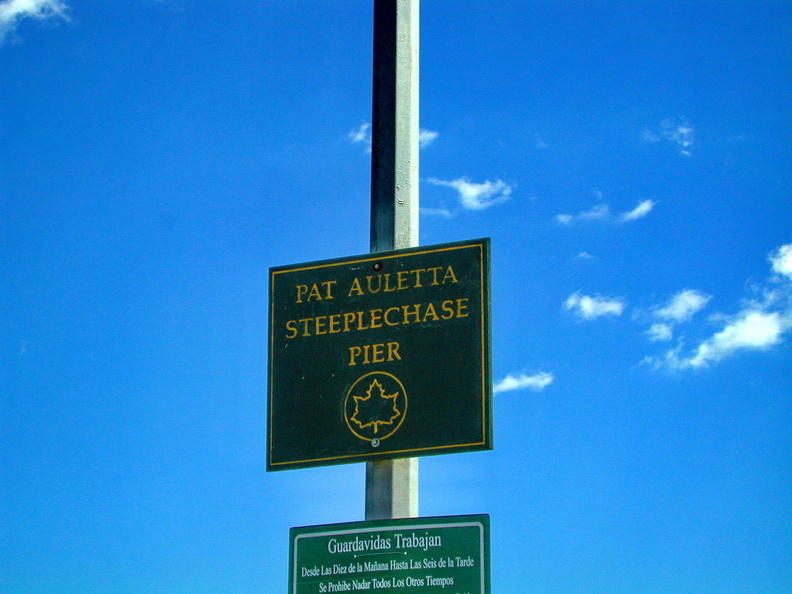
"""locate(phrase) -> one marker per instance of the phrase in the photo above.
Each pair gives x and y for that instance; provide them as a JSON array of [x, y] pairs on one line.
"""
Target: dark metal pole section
[[392, 485], [394, 130]]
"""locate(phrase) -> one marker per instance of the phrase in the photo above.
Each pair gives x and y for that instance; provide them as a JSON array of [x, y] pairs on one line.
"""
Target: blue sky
[[630, 162]]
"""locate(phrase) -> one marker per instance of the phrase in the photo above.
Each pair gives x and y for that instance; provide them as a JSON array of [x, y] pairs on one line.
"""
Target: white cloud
[[601, 212], [781, 260], [12, 12], [682, 306], [591, 308], [649, 136], [475, 196], [362, 134], [750, 330], [659, 332], [678, 132], [640, 211], [536, 382], [583, 256], [426, 137], [437, 212], [678, 309], [761, 323]]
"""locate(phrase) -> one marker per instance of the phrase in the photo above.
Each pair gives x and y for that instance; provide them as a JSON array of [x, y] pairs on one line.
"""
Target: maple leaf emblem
[[375, 408]]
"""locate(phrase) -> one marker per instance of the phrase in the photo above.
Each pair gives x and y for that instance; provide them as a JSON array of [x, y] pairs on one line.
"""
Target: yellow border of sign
[[477, 244]]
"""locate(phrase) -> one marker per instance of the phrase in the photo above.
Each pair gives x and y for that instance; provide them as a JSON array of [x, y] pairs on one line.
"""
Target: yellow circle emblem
[[375, 406]]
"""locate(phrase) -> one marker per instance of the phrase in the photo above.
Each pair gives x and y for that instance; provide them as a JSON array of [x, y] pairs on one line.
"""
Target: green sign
[[444, 554], [384, 355]]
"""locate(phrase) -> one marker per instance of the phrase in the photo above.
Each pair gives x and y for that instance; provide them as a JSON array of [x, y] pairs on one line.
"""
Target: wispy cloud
[[427, 137], [13, 12], [589, 308], [477, 196], [748, 330], [599, 212], [781, 261], [760, 324], [660, 332], [640, 211], [362, 135], [682, 306], [602, 213], [677, 310], [437, 212], [678, 132], [522, 381]]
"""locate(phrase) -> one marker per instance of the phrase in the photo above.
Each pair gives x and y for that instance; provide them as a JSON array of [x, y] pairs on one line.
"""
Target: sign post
[[382, 358], [392, 485]]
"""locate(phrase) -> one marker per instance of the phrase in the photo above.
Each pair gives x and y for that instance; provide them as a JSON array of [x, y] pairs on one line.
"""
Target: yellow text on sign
[[356, 321], [386, 283], [374, 353]]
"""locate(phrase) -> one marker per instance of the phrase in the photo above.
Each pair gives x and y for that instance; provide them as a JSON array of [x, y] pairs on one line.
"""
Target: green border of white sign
[[444, 554]]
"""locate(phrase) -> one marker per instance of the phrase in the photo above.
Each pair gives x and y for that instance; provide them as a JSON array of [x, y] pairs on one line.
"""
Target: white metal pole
[[392, 485]]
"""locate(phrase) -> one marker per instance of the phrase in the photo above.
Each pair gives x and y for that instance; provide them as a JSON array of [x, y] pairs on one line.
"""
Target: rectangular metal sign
[[384, 355], [443, 554]]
